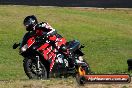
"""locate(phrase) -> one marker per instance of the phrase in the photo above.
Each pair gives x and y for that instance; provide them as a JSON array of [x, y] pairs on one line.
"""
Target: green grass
[[107, 35]]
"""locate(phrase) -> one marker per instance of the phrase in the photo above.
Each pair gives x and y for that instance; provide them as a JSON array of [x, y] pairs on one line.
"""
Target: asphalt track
[[72, 3]]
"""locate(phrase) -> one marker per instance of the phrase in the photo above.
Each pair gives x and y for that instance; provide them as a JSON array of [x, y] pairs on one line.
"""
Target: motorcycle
[[42, 60]]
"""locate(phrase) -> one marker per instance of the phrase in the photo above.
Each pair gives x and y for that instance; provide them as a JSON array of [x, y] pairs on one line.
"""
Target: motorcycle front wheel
[[32, 71]]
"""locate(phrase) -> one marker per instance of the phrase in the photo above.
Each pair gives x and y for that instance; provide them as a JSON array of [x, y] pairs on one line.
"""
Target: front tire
[[31, 70]]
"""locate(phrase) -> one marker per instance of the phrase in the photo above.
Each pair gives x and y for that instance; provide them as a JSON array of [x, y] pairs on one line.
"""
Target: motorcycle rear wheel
[[81, 72], [30, 68]]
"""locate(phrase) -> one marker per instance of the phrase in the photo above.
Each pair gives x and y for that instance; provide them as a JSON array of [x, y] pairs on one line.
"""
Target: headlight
[[24, 48]]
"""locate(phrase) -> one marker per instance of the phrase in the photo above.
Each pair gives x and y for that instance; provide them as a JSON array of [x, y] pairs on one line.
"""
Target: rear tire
[[30, 68], [87, 69], [80, 76], [80, 80]]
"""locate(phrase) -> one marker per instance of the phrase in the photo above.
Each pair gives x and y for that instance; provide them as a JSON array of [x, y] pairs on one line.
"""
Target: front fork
[[38, 62]]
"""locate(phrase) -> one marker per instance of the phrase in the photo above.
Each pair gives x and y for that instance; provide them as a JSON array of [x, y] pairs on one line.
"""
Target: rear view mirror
[[15, 45], [82, 46]]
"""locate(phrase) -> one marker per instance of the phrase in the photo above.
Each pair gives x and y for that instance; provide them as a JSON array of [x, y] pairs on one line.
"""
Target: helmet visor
[[27, 23]]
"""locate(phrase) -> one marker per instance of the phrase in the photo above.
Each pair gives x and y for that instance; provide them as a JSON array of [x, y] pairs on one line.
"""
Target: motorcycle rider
[[44, 29]]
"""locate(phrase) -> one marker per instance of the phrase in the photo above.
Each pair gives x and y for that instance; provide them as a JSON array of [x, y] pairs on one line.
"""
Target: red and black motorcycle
[[42, 60]]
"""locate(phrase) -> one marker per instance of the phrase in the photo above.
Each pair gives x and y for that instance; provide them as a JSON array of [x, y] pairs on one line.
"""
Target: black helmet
[[30, 22]]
